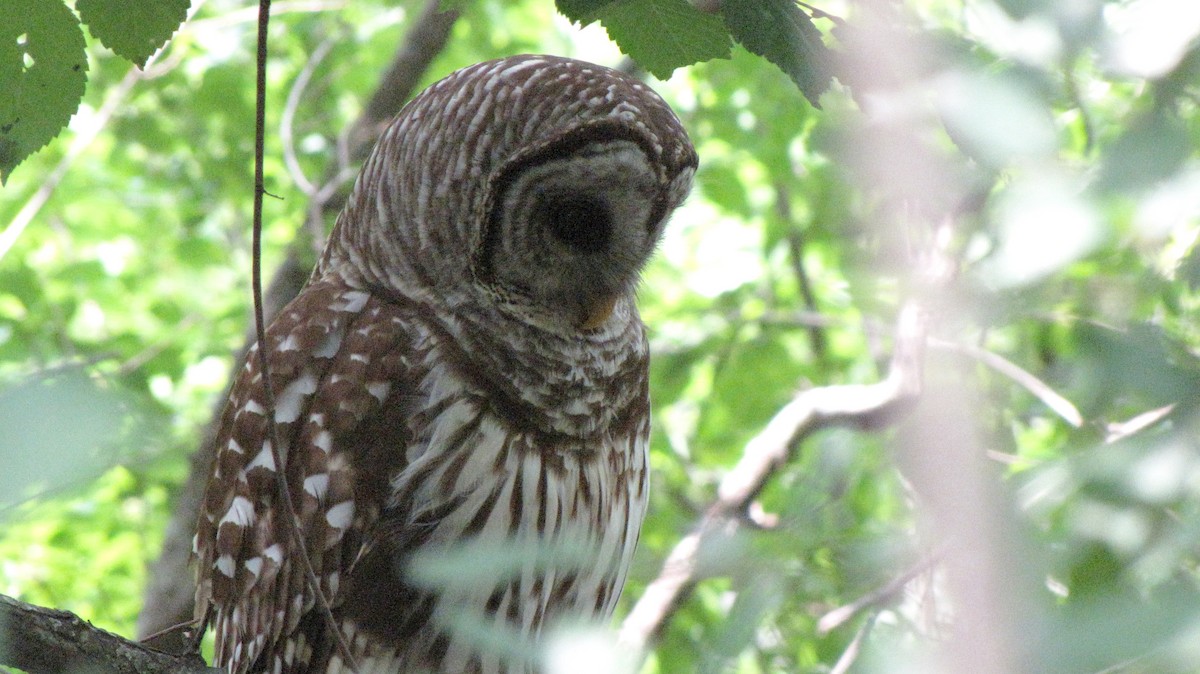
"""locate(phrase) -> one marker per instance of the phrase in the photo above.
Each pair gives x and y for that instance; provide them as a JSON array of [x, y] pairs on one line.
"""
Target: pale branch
[[838, 616], [168, 598], [1040, 389], [850, 655], [287, 135], [40, 640], [1119, 430], [864, 406]]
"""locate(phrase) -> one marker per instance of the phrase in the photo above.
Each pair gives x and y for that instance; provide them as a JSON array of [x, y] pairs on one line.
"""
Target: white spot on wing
[[274, 553], [264, 459], [323, 441], [329, 347], [317, 485], [379, 389], [225, 565], [241, 512], [254, 565], [354, 300], [340, 515], [291, 398]]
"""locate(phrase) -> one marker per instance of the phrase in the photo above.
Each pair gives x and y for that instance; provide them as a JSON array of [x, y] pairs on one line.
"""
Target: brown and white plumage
[[465, 376]]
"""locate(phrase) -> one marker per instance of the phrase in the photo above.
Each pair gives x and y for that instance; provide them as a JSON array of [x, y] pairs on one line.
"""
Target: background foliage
[[1056, 138]]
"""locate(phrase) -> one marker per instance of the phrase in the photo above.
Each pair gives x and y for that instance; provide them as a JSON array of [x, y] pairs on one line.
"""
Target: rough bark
[[41, 640]]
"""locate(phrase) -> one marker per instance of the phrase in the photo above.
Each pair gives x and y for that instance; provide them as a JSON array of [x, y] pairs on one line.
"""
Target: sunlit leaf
[[781, 32], [43, 70], [662, 35], [1150, 150], [134, 30]]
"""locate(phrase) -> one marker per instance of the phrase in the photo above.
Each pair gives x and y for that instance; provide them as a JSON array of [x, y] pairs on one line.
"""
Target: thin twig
[[1040, 389], [850, 655], [1119, 430], [795, 240], [286, 128], [281, 485], [838, 616]]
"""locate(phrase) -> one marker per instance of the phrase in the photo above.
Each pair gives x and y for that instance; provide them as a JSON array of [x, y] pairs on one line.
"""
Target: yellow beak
[[599, 312]]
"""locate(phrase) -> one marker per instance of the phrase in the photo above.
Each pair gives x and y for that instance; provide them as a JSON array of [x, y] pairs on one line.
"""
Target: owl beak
[[598, 312]]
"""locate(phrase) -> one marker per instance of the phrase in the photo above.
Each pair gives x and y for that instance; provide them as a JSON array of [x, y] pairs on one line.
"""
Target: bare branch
[[850, 655], [287, 136], [1119, 430], [40, 640], [426, 39], [796, 243], [838, 616], [1040, 389], [866, 406]]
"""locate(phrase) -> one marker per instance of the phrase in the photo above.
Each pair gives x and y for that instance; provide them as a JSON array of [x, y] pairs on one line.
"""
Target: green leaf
[[778, 31], [38, 449], [582, 12], [662, 35], [43, 70], [1152, 149], [134, 30]]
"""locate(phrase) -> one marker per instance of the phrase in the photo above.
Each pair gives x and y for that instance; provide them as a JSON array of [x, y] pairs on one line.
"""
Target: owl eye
[[584, 223]]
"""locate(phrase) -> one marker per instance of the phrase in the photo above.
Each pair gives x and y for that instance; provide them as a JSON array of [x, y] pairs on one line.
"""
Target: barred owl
[[463, 378]]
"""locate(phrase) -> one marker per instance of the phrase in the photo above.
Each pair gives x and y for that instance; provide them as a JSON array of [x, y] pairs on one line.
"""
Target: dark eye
[[584, 223]]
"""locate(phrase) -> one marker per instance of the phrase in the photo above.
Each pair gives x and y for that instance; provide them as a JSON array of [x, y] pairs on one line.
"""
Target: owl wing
[[337, 358]]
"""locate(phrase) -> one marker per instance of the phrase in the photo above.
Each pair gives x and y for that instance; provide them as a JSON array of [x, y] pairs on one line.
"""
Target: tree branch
[[866, 406], [41, 640], [1040, 389], [835, 618]]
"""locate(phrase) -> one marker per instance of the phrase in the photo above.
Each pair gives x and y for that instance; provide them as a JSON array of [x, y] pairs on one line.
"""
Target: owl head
[[533, 186]]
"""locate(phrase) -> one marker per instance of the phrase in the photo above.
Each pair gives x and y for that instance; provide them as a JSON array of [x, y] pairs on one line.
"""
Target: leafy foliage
[[778, 31], [42, 72], [662, 35], [134, 31], [43, 69]]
